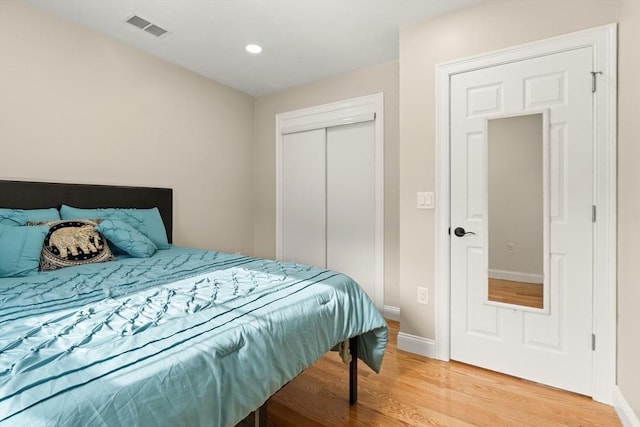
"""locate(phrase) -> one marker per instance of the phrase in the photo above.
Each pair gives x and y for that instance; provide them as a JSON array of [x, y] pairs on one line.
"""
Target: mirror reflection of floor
[[519, 293]]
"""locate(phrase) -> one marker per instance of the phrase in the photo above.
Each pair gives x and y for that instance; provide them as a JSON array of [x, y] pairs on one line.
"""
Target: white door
[[351, 226], [329, 200], [551, 344], [303, 197]]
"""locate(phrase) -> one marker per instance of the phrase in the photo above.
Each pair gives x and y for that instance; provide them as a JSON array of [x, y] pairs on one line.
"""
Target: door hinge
[[594, 80], [593, 213], [593, 342]]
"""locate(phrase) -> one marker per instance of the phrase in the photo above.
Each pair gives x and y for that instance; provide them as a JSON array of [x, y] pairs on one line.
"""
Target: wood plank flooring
[[527, 294], [417, 391]]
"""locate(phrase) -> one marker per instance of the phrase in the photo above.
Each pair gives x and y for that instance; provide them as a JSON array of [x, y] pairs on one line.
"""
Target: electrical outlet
[[511, 248], [423, 295]]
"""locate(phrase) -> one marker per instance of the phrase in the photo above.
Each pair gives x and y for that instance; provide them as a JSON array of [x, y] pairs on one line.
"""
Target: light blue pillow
[[126, 238], [12, 217], [22, 216], [34, 215], [147, 221], [20, 249]]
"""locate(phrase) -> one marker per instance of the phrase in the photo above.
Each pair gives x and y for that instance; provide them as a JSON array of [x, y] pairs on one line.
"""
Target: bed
[[182, 337]]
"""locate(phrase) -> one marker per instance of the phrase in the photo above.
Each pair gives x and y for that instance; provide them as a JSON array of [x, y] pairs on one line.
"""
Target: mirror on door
[[516, 226]]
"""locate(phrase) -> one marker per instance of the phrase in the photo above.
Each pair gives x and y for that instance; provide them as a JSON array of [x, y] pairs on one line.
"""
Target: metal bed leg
[[353, 371], [260, 416]]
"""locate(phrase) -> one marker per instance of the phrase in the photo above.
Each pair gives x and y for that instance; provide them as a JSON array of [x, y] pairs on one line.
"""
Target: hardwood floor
[[416, 391], [528, 294]]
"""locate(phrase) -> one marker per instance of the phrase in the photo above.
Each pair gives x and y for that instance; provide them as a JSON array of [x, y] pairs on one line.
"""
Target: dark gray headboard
[[34, 195]]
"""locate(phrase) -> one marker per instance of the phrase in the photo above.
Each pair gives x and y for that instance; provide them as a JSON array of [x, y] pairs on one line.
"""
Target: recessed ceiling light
[[253, 48]]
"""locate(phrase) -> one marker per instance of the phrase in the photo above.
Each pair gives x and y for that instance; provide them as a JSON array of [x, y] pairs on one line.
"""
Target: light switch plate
[[425, 200]]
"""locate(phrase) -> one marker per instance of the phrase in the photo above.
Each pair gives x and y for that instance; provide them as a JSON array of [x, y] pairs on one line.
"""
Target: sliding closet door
[[303, 197], [330, 189], [351, 226]]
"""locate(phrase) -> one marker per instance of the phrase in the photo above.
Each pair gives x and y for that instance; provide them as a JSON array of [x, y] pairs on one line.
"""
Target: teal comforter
[[184, 338]]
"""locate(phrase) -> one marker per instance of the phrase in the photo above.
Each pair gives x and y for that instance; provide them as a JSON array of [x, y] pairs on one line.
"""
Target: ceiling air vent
[[145, 25], [155, 30]]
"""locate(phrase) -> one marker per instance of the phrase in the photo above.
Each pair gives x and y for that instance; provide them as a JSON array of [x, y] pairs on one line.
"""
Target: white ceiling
[[303, 40]]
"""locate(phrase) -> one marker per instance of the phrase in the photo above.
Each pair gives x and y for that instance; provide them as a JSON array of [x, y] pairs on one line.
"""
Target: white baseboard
[[516, 276], [627, 417], [417, 345], [392, 313]]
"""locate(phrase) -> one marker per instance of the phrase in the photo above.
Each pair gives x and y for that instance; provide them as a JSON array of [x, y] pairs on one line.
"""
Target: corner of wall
[[628, 418]]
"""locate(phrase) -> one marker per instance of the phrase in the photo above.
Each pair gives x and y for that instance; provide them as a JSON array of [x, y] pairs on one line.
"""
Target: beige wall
[[629, 202], [366, 81], [485, 27], [76, 106]]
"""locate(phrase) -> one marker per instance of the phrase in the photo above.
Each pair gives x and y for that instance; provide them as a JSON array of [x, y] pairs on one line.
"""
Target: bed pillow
[[71, 243], [147, 221], [12, 217], [22, 216], [20, 249], [123, 236], [50, 214]]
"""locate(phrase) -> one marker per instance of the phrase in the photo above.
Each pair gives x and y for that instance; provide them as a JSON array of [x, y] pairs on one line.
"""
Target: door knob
[[460, 232]]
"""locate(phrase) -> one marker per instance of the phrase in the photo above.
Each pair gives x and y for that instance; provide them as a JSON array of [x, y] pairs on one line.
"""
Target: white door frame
[[603, 41], [345, 112]]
